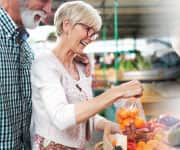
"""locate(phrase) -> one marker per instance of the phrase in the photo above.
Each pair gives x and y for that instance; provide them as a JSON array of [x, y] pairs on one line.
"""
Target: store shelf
[[151, 75]]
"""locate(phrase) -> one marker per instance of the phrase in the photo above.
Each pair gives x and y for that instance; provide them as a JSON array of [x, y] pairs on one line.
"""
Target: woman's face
[[81, 36]]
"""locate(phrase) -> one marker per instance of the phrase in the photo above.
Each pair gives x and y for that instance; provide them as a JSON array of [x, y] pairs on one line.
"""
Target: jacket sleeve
[[46, 79]]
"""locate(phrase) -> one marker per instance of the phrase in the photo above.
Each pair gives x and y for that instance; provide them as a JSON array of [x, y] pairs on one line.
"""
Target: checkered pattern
[[15, 89]]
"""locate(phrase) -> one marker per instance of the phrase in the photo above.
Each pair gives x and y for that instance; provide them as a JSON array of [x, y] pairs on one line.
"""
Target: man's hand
[[84, 59]]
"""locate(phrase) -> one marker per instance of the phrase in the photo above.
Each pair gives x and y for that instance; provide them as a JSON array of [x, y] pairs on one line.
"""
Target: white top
[[54, 93]]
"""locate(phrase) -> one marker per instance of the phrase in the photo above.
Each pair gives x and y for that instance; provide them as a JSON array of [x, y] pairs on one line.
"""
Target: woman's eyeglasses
[[90, 31]]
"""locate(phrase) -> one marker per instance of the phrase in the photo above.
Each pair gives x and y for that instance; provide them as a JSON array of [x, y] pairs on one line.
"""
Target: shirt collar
[[22, 35]]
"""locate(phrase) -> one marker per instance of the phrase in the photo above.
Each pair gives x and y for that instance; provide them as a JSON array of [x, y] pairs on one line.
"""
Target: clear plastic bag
[[130, 111], [131, 119]]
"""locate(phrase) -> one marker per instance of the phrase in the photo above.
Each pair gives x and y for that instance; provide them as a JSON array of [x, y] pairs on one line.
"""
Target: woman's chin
[[80, 50]]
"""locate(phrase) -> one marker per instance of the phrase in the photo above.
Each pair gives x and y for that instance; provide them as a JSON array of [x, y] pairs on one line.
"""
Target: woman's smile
[[83, 43]]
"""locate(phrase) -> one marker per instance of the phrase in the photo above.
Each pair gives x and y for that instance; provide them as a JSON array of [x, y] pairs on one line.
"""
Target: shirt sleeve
[[46, 79]]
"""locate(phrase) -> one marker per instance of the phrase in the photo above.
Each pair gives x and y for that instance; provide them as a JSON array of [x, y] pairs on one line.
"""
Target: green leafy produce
[[127, 65], [139, 63], [142, 64]]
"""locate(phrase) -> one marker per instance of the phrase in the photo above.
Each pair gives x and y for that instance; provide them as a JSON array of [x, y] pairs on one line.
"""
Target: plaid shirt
[[15, 88]]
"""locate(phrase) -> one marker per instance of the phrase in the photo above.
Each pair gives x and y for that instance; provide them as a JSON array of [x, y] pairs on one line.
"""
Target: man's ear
[[12, 7], [66, 25], [4, 4]]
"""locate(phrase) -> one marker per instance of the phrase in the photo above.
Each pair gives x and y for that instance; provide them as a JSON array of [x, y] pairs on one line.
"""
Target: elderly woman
[[64, 112]]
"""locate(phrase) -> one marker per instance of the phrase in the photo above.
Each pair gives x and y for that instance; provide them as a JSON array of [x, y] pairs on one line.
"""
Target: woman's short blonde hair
[[77, 12]]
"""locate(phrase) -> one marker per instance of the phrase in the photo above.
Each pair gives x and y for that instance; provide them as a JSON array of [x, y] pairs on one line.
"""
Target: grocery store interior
[[135, 42]]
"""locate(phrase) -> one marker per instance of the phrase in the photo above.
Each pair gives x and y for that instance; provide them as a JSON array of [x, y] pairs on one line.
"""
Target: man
[[15, 63]]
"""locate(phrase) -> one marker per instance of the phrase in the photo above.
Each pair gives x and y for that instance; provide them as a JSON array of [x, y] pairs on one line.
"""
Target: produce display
[[105, 70], [137, 63], [124, 63], [132, 64], [157, 134]]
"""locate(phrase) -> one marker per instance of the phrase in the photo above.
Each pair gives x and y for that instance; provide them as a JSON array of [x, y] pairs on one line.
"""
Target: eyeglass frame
[[88, 28]]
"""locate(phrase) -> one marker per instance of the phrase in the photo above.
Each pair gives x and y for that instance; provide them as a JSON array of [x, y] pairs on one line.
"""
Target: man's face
[[35, 11]]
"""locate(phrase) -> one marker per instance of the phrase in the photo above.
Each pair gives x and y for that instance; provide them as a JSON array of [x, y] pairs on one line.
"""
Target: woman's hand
[[107, 125], [133, 133], [126, 90], [112, 127], [84, 59]]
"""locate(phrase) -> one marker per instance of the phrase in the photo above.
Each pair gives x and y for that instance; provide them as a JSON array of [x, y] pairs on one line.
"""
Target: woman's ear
[[66, 25]]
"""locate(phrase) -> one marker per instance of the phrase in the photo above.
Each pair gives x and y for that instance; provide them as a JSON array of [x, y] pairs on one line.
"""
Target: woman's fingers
[[131, 89], [112, 127], [84, 59], [131, 83], [127, 90], [115, 128]]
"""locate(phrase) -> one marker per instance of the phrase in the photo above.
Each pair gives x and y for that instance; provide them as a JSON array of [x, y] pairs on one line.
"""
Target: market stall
[[160, 133]]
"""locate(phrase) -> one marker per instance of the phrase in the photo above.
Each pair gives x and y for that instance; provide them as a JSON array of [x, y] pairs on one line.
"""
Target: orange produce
[[140, 145], [134, 112], [123, 113], [119, 119], [148, 147], [113, 142], [127, 121], [143, 146], [122, 127], [128, 117], [139, 123]]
